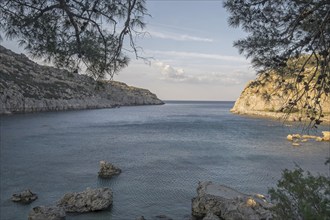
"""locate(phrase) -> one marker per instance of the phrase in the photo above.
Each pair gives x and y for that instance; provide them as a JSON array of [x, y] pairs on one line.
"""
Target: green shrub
[[300, 195]]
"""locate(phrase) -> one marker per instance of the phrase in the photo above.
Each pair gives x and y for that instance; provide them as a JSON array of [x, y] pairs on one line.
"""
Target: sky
[[189, 43]]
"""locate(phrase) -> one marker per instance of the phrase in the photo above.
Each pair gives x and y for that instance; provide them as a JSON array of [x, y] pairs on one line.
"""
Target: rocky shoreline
[[213, 202], [26, 86]]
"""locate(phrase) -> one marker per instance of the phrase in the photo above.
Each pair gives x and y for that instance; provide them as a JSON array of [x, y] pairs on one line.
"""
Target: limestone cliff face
[[262, 99], [26, 86]]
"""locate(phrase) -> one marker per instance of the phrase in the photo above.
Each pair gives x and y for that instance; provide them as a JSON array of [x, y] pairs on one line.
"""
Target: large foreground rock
[[47, 213], [108, 170], [87, 201], [228, 204], [26, 86]]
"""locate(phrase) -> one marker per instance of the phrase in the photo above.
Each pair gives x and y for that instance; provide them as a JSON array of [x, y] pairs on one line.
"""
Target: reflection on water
[[163, 151]]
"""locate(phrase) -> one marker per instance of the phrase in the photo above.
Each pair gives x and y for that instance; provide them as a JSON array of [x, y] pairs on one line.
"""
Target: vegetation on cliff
[[287, 39], [275, 95], [26, 86], [301, 195], [76, 33]]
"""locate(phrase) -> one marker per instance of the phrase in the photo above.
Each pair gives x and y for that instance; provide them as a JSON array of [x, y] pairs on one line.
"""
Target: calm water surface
[[164, 151]]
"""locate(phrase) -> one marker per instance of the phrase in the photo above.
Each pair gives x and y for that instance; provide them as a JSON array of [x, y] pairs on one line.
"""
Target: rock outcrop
[[108, 170], [265, 100], [228, 204], [296, 139], [25, 196], [87, 201], [26, 86], [47, 213]]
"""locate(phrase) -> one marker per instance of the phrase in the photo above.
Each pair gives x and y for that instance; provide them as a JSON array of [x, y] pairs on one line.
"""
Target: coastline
[[26, 86], [293, 117]]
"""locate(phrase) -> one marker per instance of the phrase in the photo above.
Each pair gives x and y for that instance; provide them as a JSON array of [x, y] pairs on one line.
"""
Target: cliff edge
[[264, 100], [26, 86]]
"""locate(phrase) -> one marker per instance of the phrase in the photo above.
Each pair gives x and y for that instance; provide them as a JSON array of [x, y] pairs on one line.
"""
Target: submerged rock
[[25, 196], [47, 213], [108, 170], [87, 201], [162, 217], [227, 203]]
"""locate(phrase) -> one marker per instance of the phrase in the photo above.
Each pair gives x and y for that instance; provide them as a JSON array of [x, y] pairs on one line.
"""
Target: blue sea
[[163, 151]]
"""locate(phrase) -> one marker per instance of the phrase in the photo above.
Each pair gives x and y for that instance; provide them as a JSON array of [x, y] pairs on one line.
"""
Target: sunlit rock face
[[221, 202], [26, 86], [265, 100]]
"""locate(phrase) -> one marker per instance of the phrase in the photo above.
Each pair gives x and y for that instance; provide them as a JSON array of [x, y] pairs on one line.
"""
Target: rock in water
[[108, 170], [326, 135], [227, 203], [87, 201], [25, 196], [47, 213]]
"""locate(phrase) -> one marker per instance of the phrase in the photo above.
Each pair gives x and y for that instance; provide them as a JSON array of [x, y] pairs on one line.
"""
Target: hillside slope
[[264, 100], [26, 86]]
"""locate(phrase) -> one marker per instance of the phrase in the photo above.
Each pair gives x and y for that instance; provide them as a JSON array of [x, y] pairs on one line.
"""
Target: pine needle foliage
[[75, 34]]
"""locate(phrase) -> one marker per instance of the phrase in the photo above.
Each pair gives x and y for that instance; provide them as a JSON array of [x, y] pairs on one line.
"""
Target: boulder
[[326, 135], [108, 170], [306, 136], [319, 139], [227, 203], [87, 201], [25, 196], [47, 213], [293, 137], [289, 137]]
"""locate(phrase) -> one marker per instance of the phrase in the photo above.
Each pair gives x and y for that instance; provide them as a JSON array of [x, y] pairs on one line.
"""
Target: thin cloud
[[179, 75], [200, 56], [170, 73], [178, 37], [175, 28]]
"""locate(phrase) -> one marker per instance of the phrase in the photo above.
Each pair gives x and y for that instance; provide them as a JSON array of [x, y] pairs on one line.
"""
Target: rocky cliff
[[265, 100], [26, 86]]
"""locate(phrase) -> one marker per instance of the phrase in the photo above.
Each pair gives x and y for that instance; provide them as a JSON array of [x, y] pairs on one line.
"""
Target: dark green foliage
[[290, 38], [75, 34], [300, 195]]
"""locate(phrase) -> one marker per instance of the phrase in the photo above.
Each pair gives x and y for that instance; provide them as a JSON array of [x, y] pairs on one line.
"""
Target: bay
[[163, 151]]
